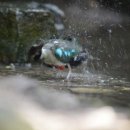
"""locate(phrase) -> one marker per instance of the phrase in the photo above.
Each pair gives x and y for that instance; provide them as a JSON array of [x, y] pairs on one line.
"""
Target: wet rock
[[94, 90], [25, 104], [11, 66]]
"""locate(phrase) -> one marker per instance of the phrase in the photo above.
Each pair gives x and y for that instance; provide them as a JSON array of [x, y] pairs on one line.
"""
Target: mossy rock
[[20, 28]]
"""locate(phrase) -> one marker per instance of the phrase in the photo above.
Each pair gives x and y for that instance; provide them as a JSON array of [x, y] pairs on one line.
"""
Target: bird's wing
[[65, 55], [63, 50]]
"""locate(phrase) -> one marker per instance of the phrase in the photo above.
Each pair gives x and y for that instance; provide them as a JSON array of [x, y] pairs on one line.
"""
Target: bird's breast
[[49, 58]]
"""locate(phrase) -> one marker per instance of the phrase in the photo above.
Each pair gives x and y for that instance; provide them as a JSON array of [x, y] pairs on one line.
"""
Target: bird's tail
[[77, 60], [82, 55]]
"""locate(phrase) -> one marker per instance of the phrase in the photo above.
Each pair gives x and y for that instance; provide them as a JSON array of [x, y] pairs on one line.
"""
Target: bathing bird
[[58, 53]]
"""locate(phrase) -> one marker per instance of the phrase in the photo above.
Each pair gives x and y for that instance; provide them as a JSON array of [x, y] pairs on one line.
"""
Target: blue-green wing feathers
[[64, 50], [65, 55]]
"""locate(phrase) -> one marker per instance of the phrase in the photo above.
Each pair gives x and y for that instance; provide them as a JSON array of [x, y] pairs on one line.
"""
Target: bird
[[60, 53]]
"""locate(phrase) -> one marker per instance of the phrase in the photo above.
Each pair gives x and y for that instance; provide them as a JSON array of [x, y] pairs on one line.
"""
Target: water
[[39, 98], [91, 89]]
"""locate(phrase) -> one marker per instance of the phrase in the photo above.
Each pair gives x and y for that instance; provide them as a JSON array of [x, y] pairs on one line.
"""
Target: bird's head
[[34, 52]]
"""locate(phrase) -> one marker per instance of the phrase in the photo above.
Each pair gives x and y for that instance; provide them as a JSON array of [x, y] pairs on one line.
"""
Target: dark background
[[118, 5]]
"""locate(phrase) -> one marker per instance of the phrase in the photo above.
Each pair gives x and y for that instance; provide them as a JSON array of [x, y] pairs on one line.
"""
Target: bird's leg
[[55, 71], [70, 71]]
